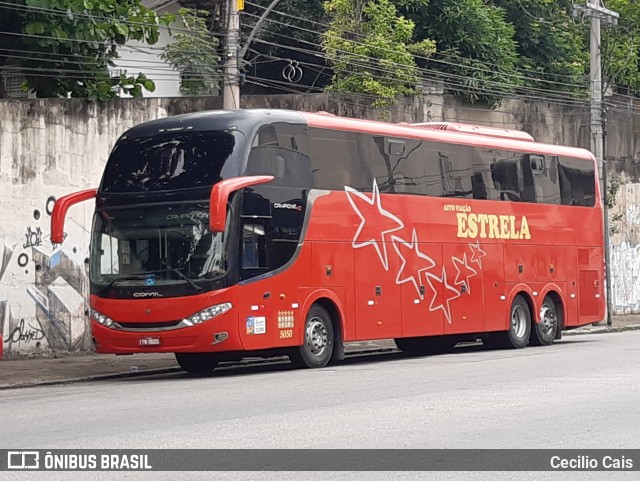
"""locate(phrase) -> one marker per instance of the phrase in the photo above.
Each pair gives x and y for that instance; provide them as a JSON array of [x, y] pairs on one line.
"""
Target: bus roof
[[474, 129], [453, 134], [448, 132]]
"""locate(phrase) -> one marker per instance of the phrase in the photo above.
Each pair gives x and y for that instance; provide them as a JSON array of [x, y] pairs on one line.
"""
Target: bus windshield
[[169, 161], [155, 246]]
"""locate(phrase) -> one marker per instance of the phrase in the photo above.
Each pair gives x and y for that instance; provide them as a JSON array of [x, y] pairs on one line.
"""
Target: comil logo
[[23, 460], [147, 294]]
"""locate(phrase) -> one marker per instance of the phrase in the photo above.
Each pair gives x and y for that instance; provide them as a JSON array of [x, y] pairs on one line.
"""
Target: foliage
[[64, 47], [621, 46], [470, 34], [614, 184], [194, 53], [369, 47], [549, 41]]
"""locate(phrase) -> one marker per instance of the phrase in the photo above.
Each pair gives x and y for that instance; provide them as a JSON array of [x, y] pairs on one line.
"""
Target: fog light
[[220, 336]]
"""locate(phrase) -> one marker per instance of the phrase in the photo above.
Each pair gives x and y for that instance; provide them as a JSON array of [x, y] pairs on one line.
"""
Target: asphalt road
[[582, 392]]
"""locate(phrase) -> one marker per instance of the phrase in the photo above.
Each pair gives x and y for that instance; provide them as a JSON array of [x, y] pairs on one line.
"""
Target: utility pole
[[231, 91], [597, 13], [233, 52]]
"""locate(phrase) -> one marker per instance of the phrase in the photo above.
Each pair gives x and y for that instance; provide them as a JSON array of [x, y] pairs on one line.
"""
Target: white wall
[[137, 57]]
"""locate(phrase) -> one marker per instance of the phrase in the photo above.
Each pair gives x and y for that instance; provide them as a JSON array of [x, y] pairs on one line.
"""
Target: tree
[[369, 47], [621, 46], [65, 47], [194, 53], [476, 47], [550, 44]]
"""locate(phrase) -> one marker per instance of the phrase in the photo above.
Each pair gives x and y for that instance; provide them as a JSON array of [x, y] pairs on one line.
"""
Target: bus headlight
[[206, 314], [101, 318]]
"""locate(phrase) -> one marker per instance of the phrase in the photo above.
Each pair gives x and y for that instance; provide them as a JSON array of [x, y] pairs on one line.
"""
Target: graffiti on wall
[[625, 278], [625, 252], [43, 288]]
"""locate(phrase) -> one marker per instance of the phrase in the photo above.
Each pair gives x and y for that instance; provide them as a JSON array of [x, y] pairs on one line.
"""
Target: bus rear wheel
[[544, 332], [317, 346], [196, 362]]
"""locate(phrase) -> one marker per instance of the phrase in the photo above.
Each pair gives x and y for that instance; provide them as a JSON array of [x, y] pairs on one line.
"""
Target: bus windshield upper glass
[[155, 246], [168, 160]]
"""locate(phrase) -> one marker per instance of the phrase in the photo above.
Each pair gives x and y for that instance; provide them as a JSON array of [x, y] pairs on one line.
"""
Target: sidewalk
[[15, 373]]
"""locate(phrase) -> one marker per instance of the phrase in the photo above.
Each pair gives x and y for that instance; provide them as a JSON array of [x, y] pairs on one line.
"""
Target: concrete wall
[[52, 147]]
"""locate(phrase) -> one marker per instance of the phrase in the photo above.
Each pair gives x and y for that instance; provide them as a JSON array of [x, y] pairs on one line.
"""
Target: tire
[[196, 362], [425, 345], [318, 344], [544, 332], [519, 331]]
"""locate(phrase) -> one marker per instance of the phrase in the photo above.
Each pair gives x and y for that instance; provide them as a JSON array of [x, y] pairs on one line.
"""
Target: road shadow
[[282, 364]]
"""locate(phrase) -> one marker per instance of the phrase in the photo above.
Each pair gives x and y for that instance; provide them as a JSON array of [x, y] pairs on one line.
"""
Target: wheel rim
[[518, 321], [548, 319], [317, 336]]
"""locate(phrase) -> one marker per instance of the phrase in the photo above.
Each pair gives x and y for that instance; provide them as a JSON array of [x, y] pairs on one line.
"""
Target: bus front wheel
[[196, 362], [519, 331], [317, 346]]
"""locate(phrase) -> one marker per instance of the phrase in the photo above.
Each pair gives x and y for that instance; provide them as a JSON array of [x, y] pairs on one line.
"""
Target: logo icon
[[23, 460]]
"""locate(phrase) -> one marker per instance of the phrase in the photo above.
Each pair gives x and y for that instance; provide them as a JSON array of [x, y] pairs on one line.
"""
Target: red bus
[[223, 234]]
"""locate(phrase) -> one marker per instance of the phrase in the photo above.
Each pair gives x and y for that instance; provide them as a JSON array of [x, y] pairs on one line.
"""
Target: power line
[[429, 59], [489, 66]]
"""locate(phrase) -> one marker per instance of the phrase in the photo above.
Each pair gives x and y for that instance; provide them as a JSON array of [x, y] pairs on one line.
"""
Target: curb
[[169, 370], [90, 377], [601, 330]]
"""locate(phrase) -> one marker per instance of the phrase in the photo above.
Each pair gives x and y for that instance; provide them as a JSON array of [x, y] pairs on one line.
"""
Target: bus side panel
[[420, 316], [490, 261], [520, 263], [552, 265], [268, 317], [466, 309], [591, 289], [332, 269], [377, 295]]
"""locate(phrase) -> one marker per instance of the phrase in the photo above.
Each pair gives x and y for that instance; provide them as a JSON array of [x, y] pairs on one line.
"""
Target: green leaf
[[34, 28], [121, 28]]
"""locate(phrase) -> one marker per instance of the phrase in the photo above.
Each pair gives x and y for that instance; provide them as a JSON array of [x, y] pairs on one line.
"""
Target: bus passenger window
[[254, 247], [275, 152]]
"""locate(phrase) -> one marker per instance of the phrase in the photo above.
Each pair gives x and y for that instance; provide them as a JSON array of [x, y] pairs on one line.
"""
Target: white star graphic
[[381, 222], [417, 260], [477, 253], [468, 274], [449, 293]]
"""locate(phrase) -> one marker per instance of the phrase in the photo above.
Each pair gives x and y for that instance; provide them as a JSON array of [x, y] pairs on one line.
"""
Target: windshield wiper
[[115, 281], [177, 271]]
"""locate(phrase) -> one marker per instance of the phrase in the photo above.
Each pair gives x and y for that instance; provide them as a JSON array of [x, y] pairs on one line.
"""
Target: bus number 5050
[[286, 334]]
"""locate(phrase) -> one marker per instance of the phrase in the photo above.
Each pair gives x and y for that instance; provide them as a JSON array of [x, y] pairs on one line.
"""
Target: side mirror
[[60, 209], [220, 195]]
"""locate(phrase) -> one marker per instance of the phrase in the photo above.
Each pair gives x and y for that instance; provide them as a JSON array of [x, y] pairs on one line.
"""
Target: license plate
[[150, 341]]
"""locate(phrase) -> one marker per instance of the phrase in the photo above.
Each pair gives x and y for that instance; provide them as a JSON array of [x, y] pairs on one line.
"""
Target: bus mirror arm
[[220, 195], [60, 209]]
